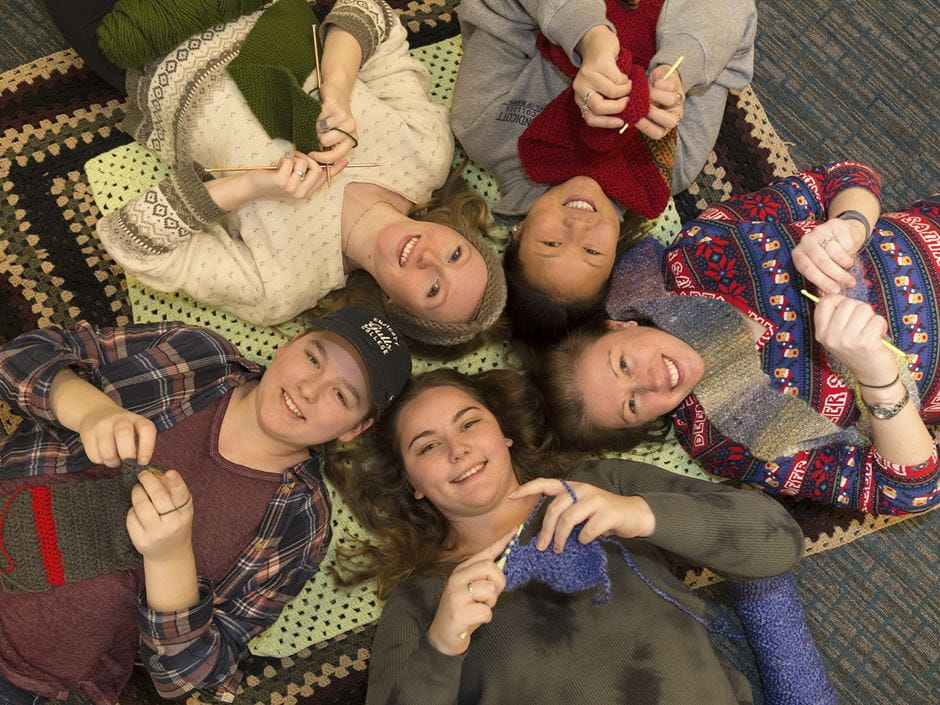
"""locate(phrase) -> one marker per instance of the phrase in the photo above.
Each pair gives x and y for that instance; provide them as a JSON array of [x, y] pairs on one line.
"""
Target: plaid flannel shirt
[[167, 372]]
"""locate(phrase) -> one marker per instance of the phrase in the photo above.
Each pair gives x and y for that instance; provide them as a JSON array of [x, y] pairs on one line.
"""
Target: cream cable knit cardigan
[[271, 259]]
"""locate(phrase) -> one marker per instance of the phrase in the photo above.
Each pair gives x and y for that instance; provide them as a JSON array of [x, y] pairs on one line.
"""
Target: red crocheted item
[[558, 144], [46, 533]]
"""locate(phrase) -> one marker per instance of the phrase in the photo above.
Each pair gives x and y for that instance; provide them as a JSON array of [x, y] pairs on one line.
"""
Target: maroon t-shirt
[[83, 637]]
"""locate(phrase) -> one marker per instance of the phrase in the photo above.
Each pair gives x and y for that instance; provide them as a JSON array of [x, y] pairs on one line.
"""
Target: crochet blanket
[[56, 116]]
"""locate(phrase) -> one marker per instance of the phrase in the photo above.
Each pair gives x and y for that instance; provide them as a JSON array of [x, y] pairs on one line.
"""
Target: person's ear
[[419, 495], [508, 442], [620, 325], [516, 230], [356, 430]]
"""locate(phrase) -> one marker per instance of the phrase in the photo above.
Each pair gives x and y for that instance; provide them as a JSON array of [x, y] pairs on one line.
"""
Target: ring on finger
[[680, 97], [470, 590], [825, 241], [300, 173], [176, 509], [324, 125]]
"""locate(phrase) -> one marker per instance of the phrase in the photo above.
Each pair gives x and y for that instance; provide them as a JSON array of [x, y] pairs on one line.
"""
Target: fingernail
[[541, 544], [557, 548]]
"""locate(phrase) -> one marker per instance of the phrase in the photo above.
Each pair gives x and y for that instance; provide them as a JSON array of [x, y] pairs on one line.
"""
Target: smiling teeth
[[470, 473], [580, 205], [409, 246], [673, 372], [291, 405]]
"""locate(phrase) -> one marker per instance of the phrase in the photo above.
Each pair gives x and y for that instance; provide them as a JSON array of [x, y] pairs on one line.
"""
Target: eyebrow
[[455, 419]]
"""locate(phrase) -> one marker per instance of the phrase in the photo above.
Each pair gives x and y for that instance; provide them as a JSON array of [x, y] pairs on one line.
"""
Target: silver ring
[[587, 96], [470, 589], [300, 173], [680, 97], [324, 125], [825, 241], [175, 509]]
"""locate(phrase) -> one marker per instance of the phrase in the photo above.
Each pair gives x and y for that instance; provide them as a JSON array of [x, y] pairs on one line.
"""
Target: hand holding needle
[[672, 70]]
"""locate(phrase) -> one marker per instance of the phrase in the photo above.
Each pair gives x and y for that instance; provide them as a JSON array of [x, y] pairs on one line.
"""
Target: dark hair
[[410, 535], [558, 379], [457, 207], [539, 319]]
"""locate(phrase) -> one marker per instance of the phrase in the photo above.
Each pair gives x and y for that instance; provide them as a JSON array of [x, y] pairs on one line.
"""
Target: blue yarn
[[790, 667], [581, 567]]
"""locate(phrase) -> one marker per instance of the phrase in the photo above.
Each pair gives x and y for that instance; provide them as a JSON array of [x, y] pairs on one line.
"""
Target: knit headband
[[486, 314]]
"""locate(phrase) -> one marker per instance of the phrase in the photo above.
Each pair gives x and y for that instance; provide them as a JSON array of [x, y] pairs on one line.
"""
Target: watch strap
[[886, 410], [860, 217]]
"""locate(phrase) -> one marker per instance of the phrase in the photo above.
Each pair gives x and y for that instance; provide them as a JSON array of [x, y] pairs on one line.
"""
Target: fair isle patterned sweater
[[739, 251], [271, 259]]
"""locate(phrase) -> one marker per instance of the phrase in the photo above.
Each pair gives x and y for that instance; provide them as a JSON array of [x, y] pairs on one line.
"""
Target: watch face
[[884, 411]]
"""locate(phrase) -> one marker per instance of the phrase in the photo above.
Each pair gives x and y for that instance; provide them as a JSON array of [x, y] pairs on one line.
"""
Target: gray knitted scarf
[[735, 392]]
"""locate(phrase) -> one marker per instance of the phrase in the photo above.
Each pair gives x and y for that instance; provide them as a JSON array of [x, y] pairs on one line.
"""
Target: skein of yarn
[[135, 32], [790, 668]]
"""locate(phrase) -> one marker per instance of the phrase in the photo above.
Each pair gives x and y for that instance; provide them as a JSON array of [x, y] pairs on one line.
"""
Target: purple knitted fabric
[[790, 668], [579, 567]]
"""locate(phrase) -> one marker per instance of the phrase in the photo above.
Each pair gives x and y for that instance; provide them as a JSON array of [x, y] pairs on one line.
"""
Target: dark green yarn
[[274, 61], [136, 32]]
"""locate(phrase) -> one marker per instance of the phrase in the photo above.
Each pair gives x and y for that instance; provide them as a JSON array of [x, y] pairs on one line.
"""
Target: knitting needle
[[892, 348], [501, 563], [274, 167], [316, 58], [672, 70]]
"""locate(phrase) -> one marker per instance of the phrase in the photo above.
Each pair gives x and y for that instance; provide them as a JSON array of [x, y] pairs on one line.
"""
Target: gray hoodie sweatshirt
[[504, 82]]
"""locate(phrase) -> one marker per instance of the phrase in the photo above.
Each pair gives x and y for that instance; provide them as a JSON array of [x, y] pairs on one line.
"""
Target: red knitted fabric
[[632, 169], [46, 533]]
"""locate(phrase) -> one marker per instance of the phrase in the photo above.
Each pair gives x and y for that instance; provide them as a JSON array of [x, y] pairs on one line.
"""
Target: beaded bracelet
[[879, 386]]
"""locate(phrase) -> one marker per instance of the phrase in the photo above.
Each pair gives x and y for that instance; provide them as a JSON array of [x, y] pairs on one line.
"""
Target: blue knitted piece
[[790, 667], [581, 567]]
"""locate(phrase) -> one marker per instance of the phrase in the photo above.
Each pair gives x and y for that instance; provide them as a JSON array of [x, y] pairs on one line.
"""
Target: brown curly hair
[[410, 536]]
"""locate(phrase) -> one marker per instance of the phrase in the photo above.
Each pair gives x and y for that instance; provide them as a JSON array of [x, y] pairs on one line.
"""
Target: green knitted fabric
[[272, 64], [66, 532], [321, 610], [136, 32]]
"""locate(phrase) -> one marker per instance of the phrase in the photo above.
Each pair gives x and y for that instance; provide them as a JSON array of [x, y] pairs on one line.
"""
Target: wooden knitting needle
[[501, 563], [316, 58], [274, 167], [892, 348], [672, 70]]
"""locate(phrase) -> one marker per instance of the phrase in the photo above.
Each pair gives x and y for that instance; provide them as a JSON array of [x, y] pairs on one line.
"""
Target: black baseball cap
[[382, 348]]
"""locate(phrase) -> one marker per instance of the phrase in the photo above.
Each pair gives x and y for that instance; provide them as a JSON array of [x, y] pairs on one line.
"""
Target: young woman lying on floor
[[460, 463], [101, 566], [544, 89], [714, 337], [243, 241]]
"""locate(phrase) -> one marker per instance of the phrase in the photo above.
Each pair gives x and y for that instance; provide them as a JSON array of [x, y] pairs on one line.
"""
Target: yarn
[[66, 531], [136, 32], [630, 168], [581, 567], [790, 668]]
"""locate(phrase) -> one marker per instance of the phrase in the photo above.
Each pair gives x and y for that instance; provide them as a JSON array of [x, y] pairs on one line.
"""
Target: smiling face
[[635, 374], [316, 390], [568, 241], [430, 270], [454, 452]]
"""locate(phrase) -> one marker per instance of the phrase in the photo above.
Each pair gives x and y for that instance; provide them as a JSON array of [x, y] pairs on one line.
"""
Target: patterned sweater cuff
[[368, 21]]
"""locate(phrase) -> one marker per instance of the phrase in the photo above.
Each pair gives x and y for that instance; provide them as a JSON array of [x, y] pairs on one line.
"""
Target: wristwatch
[[888, 410]]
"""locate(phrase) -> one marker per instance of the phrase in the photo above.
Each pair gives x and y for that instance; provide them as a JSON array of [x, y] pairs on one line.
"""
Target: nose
[[458, 449], [310, 388], [428, 257]]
